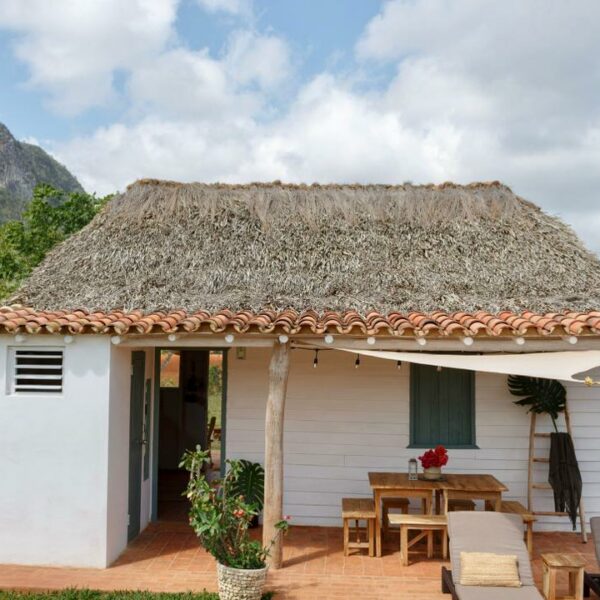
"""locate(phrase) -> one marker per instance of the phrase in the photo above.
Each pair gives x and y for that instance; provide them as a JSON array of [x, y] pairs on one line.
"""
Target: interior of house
[[191, 387]]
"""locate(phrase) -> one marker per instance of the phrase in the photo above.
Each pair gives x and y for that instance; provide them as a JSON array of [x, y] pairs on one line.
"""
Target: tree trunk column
[[273, 507]]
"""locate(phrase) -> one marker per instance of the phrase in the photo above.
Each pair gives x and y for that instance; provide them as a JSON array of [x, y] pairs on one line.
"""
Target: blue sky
[[300, 90]]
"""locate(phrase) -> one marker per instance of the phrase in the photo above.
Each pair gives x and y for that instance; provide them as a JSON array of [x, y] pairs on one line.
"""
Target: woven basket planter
[[240, 584]]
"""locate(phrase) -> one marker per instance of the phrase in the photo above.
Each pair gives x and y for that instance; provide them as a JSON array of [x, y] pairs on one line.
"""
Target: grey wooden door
[[136, 442]]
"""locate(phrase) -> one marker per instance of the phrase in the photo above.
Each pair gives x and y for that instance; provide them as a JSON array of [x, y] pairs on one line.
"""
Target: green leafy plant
[[50, 217], [221, 516], [250, 483], [542, 396]]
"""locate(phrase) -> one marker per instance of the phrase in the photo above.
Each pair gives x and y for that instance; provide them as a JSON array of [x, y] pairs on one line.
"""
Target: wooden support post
[[273, 507]]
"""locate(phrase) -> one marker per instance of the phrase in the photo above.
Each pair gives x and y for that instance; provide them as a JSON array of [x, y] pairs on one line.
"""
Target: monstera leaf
[[250, 483], [542, 396]]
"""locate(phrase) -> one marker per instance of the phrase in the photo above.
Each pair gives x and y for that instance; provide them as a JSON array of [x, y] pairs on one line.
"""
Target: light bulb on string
[[398, 364], [316, 359], [357, 361]]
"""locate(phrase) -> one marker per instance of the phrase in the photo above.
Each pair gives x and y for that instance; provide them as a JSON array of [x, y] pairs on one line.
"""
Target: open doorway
[[190, 414]]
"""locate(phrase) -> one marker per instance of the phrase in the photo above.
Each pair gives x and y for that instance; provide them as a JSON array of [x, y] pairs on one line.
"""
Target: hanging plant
[[542, 396]]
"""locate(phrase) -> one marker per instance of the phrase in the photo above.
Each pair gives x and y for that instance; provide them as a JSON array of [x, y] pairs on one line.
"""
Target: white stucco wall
[[118, 452], [64, 459], [342, 422], [53, 460]]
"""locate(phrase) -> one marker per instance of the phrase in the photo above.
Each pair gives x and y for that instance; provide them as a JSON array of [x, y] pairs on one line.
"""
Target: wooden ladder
[[532, 485]]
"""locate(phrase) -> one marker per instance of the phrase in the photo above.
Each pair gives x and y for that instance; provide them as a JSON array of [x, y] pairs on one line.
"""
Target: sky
[[370, 91]]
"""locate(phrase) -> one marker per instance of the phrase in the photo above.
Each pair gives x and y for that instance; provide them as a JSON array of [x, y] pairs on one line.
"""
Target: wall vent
[[39, 371]]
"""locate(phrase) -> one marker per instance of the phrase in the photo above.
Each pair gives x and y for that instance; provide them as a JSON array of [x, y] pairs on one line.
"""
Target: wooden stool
[[566, 563], [457, 504], [386, 504], [426, 524], [359, 509]]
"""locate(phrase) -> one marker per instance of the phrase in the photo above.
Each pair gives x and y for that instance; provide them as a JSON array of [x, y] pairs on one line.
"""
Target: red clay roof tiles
[[27, 320]]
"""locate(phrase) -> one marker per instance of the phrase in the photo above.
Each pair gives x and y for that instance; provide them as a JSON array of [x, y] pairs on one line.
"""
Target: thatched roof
[[165, 246]]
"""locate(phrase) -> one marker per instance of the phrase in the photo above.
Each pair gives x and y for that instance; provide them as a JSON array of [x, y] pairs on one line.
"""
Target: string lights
[[357, 361], [316, 359]]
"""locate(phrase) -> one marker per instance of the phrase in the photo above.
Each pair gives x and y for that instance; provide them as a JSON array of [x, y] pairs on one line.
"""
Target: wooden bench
[[516, 508], [401, 504], [359, 509], [459, 504], [427, 525]]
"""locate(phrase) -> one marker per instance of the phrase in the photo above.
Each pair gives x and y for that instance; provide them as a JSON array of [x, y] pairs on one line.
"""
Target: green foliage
[[221, 517], [542, 396], [50, 218], [215, 388], [215, 377], [250, 484], [83, 594]]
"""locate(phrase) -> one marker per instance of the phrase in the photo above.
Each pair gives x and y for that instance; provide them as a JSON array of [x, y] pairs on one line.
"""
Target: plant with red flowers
[[220, 515], [434, 457]]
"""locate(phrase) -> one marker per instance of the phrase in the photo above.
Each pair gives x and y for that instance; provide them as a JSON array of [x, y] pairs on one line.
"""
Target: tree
[[51, 217]]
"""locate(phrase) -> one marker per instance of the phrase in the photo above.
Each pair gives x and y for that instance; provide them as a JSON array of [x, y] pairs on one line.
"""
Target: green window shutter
[[442, 407]]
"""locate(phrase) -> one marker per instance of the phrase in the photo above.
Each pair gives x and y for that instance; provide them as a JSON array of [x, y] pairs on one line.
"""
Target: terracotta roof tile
[[18, 319]]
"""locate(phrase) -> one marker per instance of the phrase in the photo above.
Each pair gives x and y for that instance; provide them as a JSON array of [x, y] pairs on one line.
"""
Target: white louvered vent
[[38, 371]]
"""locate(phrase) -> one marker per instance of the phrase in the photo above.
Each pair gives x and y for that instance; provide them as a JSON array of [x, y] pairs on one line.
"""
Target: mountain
[[22, 167]]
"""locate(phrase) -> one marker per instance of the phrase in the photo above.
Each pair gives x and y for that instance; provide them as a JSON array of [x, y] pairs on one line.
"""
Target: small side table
[[567, 563]]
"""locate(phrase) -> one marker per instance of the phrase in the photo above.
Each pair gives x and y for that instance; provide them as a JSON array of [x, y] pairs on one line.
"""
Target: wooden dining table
[[451, 486]]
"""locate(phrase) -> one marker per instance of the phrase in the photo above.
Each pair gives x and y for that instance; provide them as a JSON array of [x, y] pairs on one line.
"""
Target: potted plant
[[432, 462], [220, 517], [250, 483]]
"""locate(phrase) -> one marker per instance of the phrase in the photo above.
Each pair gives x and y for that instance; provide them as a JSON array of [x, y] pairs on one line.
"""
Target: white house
[[297, 285]]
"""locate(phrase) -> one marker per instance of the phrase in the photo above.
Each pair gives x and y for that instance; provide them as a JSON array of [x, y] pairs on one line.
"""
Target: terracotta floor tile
[[167, 557]]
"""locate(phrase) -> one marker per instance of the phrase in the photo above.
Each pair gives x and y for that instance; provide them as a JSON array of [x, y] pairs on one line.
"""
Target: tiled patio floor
[[167, 557]]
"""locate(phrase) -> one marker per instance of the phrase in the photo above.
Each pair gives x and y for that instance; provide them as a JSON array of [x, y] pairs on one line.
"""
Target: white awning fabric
[[564, 366]]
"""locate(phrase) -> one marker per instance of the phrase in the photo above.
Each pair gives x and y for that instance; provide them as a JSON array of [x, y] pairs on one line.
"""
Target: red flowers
[[434, 458], [239, 513]]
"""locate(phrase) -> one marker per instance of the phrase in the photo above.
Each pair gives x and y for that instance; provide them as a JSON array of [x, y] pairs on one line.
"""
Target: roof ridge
[[332, 185]]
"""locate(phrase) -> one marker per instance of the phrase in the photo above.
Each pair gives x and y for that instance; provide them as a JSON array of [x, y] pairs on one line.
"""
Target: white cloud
[[73, 48], [479, 91], [233, 7], [260, 59], [183, 83]]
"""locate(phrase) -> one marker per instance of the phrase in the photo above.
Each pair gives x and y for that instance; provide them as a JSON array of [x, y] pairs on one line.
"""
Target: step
[[549, 513], [541, 486]]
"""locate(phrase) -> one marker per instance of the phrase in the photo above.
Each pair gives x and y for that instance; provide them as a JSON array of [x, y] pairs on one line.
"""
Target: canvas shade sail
[[564, 366]]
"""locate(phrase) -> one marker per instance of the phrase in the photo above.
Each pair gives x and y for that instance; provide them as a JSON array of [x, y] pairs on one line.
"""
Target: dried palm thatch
[[165, 245]]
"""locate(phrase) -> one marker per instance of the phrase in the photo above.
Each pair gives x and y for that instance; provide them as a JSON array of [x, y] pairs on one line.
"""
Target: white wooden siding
[[342, 422]]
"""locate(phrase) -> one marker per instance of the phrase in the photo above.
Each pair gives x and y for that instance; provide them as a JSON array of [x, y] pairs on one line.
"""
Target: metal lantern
[[413, 473]]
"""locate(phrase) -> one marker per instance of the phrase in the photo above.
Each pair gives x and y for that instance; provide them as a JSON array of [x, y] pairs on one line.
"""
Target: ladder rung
[[541, 486], [541, 460], [543, 435], [549, 513]]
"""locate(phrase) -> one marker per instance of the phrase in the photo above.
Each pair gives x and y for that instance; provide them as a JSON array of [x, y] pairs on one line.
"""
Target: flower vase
[[432, 473]]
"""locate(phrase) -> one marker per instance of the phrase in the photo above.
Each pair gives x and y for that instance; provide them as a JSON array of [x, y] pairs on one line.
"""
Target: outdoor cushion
[[500, 533], [488, 569], [472, 592], [595, 525]]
